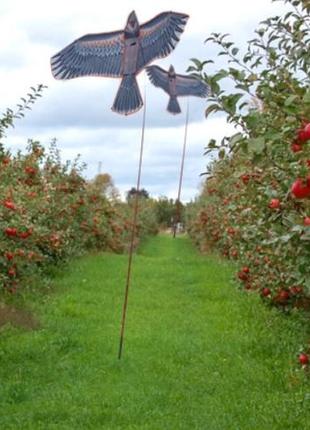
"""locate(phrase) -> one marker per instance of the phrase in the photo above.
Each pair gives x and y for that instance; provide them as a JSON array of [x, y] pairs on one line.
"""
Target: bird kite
[[176, 85], [121, 54]]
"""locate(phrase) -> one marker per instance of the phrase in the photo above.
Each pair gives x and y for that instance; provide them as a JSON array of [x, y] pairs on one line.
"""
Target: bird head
[[132, 26], [171, 72]]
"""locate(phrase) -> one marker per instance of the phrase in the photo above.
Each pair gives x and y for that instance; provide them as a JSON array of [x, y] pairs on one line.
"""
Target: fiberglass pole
[[133, 236], [178, 201]]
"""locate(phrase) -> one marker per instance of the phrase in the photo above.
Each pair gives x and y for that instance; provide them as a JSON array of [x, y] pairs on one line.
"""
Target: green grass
[[198, 354]]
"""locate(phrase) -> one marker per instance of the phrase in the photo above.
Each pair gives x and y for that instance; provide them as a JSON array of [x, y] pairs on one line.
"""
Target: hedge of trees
[[255, 205], [49, 212]]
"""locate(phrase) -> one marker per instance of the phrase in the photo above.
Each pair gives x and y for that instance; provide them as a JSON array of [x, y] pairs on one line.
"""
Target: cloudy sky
[[77, 113]]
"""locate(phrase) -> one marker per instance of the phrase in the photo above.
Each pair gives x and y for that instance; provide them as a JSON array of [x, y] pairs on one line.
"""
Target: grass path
[[198, 354]]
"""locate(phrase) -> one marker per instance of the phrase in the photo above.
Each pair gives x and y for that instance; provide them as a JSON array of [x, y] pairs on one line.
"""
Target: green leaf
[[256, 145], [285, 238], [220, 75], [252, 77], [230, 102], [290, 100], [221, 153], [195, 61], [212, 144], [306, 97], [236, 138], [212, 108]]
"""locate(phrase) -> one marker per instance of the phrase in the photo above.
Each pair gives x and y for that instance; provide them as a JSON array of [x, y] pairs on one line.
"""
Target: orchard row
[[49, 213], [255, 205]]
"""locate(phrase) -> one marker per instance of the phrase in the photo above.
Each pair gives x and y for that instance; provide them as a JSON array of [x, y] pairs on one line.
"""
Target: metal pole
[[178, 201], [133, 235]]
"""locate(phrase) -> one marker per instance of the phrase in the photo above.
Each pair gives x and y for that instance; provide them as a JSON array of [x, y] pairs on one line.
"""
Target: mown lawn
[[198, 353]]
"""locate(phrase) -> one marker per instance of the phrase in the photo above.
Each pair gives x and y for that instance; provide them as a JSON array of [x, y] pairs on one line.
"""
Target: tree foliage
[[141, 193], [49, 212], [249, 208]]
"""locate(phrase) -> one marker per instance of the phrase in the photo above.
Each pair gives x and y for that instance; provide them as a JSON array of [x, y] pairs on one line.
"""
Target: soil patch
[[17, 317]]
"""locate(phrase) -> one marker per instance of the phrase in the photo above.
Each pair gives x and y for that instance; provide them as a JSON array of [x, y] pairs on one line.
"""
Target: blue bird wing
[[159, 36], [91, 55], [158, 77], [189, 86]]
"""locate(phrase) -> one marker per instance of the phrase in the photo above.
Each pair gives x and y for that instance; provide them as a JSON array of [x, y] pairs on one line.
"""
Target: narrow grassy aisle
[[198, 354]]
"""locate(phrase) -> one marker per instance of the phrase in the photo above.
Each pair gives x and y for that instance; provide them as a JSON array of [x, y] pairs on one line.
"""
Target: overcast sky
[[78, 112]]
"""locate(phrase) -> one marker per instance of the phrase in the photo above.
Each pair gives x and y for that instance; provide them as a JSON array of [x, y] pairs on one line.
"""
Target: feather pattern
[[159, 36], [91, 55], [189, 86], [158, 77]]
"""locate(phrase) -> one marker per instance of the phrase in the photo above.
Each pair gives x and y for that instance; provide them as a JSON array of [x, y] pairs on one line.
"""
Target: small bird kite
[[176, 85], [121, 54]]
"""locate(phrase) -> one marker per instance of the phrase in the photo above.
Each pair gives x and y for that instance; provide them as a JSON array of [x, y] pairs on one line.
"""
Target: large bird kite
[[121, 54], [176, 85]]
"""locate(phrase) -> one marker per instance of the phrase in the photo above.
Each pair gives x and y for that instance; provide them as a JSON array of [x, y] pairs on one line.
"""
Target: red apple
[[303, 359], [9, 204], [245, 269], [283, 295], [307, 221], [274, 204], [307, 130], [30, 170], [11, 272], [295, 290], [9, 255], [242, 276], [245, 178], [296, 147], [25, 234], [11, 231], [266, 292], [303, 135], [300, 189]]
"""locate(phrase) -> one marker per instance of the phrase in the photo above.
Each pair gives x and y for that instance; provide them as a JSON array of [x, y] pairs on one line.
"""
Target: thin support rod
[[178, 202], [132, 238]]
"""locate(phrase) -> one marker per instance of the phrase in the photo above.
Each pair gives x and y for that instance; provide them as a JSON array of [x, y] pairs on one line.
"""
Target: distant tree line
[[167, 211]]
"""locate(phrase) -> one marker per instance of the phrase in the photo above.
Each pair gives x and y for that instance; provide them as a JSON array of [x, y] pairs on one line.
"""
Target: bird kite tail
[[173, 106], [128, 98]]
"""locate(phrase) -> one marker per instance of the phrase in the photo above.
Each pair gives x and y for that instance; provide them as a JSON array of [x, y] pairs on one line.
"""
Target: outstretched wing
[[158, 77], [159, 36], [91, 55], [189, 86]]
